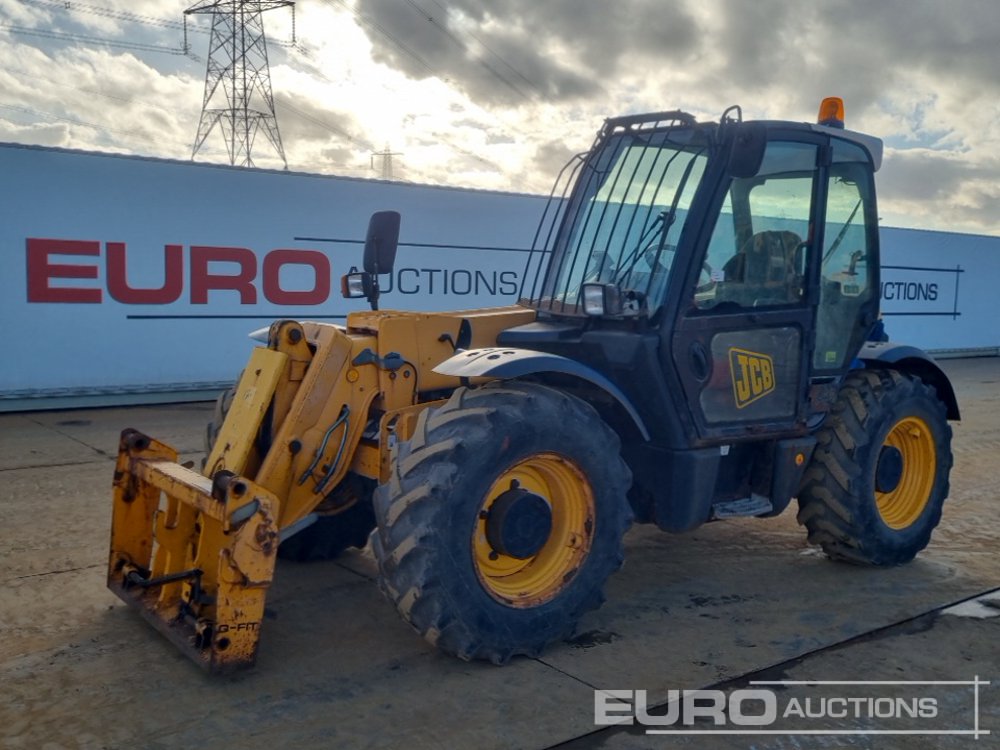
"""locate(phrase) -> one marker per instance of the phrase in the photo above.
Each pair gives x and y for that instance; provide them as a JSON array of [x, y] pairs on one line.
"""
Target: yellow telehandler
[[697, 338]]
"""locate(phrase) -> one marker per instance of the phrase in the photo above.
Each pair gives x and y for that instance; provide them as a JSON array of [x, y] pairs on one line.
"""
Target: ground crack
[[55, 572]]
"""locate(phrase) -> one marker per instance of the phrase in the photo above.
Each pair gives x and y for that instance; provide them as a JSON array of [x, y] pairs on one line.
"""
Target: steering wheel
[[597, 267], [653, 260], [700, 286]]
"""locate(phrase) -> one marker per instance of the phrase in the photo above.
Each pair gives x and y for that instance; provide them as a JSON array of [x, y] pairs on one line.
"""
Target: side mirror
[[381, 241], [379, 257], [747, 151]]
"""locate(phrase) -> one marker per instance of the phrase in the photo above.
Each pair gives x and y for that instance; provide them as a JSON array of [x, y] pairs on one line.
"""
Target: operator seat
[[768, 269]]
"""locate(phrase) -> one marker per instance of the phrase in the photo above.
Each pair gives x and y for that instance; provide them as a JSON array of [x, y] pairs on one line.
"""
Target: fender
[[496, 362], [914, 361]]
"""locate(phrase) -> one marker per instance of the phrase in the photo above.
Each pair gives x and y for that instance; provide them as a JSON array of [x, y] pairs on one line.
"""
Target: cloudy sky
[[499, 93]]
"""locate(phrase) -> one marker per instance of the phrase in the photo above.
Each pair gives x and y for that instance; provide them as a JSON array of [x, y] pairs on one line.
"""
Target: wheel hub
[[519, 524], [889, 470]]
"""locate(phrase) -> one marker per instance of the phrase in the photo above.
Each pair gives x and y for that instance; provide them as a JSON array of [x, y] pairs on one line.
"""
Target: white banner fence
[[126, 279]]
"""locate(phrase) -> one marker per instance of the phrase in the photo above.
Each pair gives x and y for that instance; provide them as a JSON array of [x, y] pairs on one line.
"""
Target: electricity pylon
[[237, 79], [386, 156]]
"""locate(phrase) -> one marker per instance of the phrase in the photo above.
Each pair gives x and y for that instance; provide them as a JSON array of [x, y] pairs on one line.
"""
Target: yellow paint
[[914, 440], [231, 538], [314, 382], [538, 579], [752, 374], [235, 443]]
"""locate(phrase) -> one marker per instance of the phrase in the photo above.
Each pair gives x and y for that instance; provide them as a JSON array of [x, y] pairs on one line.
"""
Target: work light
[[601, 299]]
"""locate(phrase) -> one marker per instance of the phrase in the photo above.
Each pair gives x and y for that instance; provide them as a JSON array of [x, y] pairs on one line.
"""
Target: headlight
[[601, 299], [355, 284]]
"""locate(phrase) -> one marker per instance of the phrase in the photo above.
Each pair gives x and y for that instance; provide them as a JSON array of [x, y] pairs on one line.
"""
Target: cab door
[[742, 339]]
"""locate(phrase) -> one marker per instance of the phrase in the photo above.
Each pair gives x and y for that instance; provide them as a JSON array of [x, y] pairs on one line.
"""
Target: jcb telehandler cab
[[691, 344]]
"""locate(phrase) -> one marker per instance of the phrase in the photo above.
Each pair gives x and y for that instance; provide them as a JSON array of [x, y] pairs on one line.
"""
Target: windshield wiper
[[629, 261], [665, 220], [842, 233]]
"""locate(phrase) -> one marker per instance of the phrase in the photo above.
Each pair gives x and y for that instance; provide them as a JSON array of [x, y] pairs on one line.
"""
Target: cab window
[[846, 275], [757, 252]]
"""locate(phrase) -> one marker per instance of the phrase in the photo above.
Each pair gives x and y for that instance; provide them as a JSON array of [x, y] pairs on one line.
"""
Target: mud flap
[[195, 556]]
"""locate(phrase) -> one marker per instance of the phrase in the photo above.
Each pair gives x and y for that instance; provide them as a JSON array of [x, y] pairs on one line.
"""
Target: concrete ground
[[727, 605]]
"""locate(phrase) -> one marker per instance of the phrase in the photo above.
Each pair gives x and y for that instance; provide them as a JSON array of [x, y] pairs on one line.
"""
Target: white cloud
[[499, 93]]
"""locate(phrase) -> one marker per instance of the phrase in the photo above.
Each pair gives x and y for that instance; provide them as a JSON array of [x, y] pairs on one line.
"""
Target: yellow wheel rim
[[538, 579], [913, 439]]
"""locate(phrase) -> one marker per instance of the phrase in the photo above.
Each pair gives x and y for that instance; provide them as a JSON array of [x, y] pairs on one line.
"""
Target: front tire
[[879, 476], [502, 520]]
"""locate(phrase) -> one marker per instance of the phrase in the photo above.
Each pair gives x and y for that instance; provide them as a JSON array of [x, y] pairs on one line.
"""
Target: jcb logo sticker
[[753, 375]]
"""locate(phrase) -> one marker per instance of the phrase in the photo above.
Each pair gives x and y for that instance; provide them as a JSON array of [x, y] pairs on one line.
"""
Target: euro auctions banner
[[940, 290], [123, 275], [126, 278]]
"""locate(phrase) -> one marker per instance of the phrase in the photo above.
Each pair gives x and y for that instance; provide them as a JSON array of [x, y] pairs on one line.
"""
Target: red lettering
[[202, 281], [240, 276], [320, 264], [41, 272], [173, 277]]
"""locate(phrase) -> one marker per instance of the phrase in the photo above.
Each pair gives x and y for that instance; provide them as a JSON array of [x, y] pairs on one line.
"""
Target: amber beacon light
[[831, 112]]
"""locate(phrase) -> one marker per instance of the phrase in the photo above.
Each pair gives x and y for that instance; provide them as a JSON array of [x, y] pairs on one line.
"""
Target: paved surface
[[731, 602]]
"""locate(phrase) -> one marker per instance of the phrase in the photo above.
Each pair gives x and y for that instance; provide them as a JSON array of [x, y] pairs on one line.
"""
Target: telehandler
[[690, 344]]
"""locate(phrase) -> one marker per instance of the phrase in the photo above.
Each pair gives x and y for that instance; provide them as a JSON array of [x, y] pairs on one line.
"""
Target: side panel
[[515, 363], [742, 374], [756, 376]]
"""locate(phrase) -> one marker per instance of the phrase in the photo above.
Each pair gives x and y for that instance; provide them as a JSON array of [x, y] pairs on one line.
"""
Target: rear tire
[[330, 534], [222, 406], [875, 487], [438, 520]]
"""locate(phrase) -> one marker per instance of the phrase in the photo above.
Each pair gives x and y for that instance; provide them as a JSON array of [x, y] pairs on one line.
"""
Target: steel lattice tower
[[238, 79], [386, 156]]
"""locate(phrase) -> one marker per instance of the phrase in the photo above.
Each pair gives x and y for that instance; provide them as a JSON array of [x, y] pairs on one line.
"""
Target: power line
[[74, 121], [90, 92], [448, 33], [284, 106], [138, 18], [470, 154], [121, 15], [496, 54], [361, 144], [83, 38], [366, 21], [371, 23], [399, 45]]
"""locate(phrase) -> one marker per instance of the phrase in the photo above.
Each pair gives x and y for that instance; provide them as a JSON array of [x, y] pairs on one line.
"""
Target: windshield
[[626, 213]]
